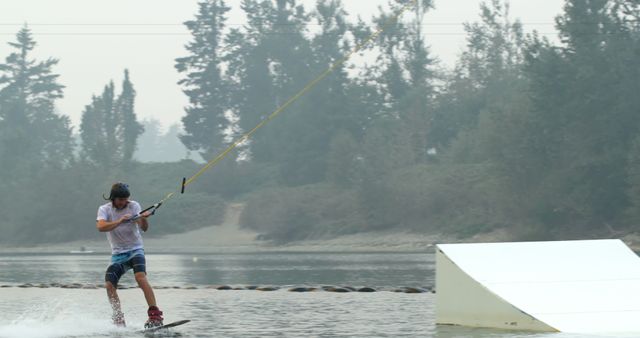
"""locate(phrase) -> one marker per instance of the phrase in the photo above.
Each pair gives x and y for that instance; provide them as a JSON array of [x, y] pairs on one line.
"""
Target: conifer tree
[[131, 129], [32, 135], [109, 128], [203, 81]]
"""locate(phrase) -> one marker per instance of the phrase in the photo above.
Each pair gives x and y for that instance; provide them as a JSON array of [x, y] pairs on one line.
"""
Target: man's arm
[[142, 221]]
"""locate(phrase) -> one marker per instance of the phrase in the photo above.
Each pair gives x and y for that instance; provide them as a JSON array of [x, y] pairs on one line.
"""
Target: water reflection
[[357, 269]]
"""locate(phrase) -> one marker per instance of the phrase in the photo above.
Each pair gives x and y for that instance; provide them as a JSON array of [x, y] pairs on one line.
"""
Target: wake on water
[[58, 327], [63, 318]]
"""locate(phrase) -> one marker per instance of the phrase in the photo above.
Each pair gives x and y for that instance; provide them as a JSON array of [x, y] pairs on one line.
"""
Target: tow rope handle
[[155, 207], [139, 215]]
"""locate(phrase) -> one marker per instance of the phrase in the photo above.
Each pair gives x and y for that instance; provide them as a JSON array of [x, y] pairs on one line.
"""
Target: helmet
[[119, 190]]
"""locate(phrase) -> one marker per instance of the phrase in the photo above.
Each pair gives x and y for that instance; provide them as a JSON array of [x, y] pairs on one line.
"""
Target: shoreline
[[229, 237], [196, 242], [223, 239]]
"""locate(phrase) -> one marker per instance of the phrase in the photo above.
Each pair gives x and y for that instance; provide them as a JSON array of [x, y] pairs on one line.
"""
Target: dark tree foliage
[[203, 82], [35, 141], [32, 134], [109, 129], [524, 136], [131, 128]]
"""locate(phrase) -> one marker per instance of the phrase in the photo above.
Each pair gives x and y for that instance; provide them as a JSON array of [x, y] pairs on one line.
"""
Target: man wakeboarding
[[122, 221]]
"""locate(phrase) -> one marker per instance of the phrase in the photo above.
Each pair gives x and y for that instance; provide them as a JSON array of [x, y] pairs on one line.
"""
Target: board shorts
[[123, 262]]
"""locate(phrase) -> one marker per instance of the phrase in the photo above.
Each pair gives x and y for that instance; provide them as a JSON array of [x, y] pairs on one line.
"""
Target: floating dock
[[586, 287]]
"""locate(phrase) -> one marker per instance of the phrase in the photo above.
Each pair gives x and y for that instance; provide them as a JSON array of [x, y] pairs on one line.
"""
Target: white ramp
[[568, 286]]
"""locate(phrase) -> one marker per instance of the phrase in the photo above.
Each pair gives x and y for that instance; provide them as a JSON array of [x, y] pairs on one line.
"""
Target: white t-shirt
[[126, 236]]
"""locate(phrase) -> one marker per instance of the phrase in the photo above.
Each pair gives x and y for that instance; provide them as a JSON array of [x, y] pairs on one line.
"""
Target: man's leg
[[138, 263], [114, 300], [143, 283], [114, 272]]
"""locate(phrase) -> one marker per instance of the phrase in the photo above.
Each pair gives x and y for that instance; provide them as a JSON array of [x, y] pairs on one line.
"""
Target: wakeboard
[[165, 326]]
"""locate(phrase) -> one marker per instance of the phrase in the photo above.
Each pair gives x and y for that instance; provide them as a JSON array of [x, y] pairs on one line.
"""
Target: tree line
[[525, 134], [51, 184]]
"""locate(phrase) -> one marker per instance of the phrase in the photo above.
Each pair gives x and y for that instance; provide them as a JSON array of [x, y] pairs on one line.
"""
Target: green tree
[[35, 141], [329, 109], [32, 135], [98, 129], [344, 161], [589, 117], [205, 121], [417, 105], [487, 68], [271, 61], [131, 129], [405, 74], [109, 128], [252, 89]]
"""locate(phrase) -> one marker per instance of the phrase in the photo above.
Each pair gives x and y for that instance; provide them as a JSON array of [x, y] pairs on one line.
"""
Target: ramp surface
[[570, 286]]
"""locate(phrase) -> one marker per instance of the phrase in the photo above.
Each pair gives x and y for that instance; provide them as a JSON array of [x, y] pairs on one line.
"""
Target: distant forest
[[524, 133]]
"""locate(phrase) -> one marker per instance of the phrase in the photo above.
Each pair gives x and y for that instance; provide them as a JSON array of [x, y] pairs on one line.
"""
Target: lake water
[[185, 290]]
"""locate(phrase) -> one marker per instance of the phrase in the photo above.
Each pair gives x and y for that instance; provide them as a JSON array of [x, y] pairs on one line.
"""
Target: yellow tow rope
[[304, 90]]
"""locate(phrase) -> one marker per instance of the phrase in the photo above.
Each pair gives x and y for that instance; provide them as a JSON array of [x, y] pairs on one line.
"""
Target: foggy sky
[[95, 41]]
